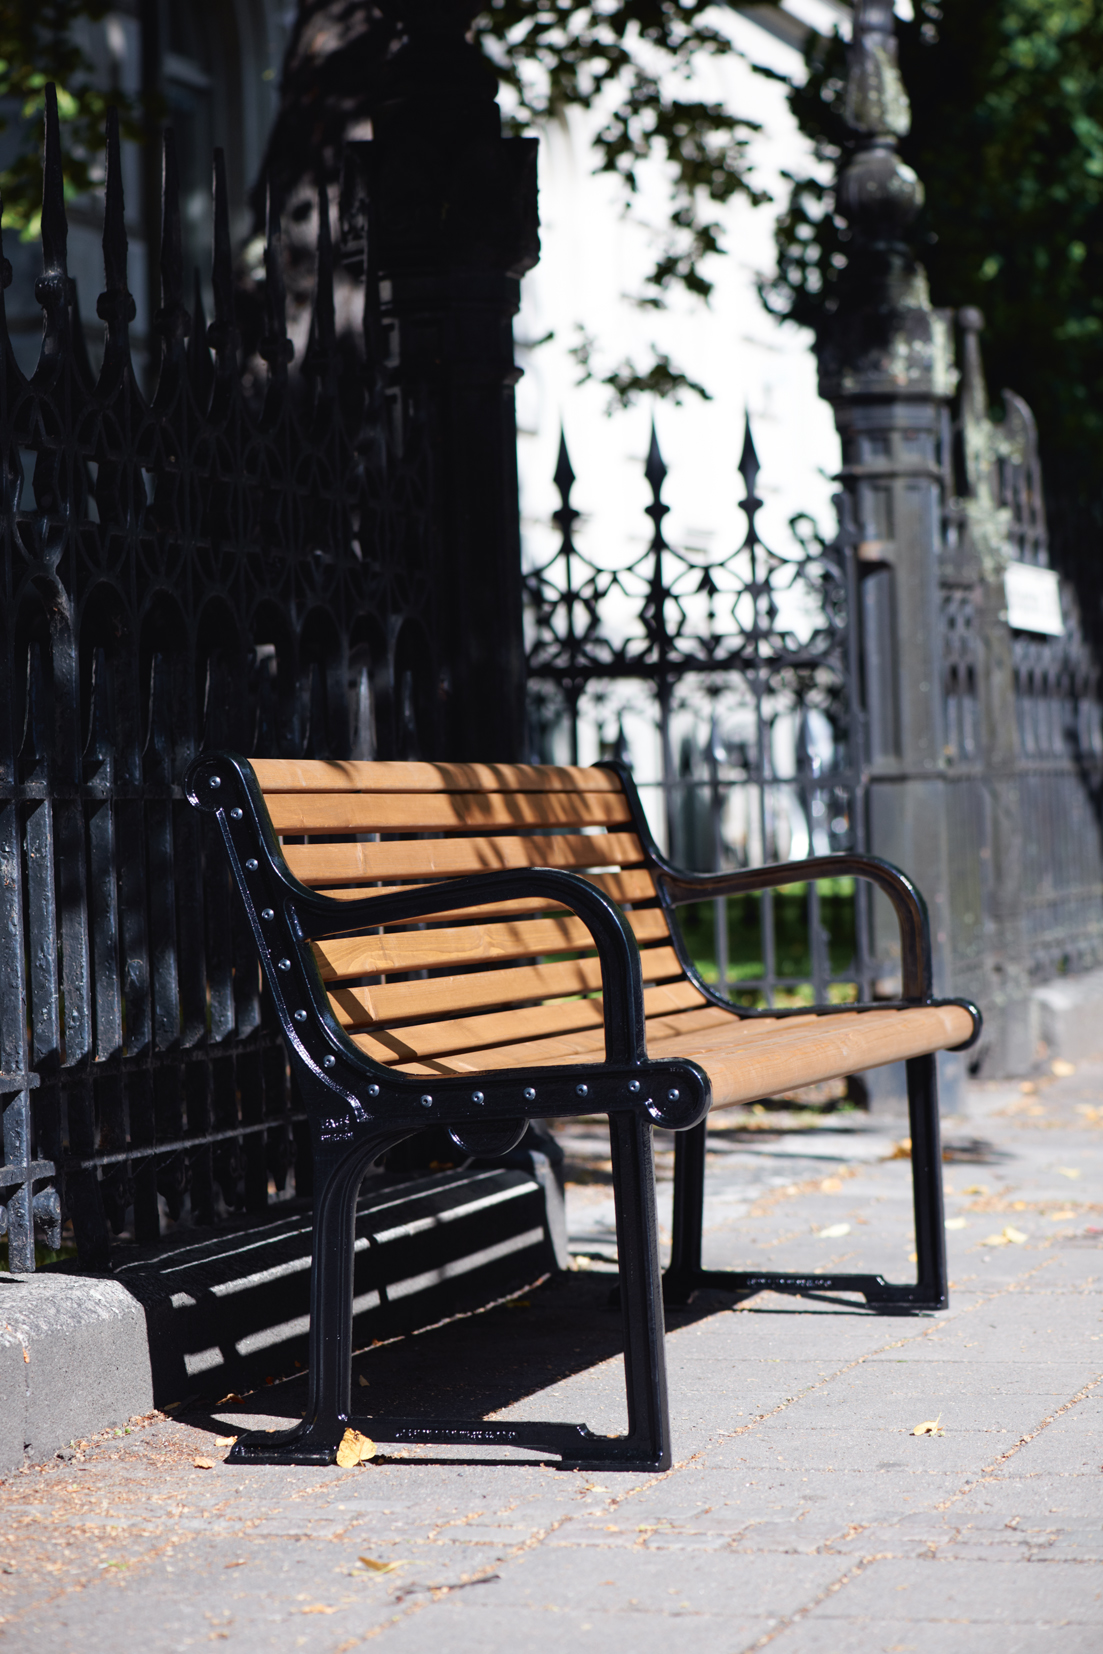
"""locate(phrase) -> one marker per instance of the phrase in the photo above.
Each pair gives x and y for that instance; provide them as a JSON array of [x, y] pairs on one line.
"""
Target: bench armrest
[[908, 904]]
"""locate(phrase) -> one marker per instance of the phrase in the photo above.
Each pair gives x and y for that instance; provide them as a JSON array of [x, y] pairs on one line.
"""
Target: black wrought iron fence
[[741, 672], [1024, 713], [215, 565]]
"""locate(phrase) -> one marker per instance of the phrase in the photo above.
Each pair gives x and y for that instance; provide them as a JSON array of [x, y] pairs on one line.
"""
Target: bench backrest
[[420, 995]]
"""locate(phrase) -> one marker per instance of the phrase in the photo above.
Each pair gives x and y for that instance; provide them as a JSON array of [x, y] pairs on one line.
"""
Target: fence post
[[886, 366], [451, 228], [989, 872]]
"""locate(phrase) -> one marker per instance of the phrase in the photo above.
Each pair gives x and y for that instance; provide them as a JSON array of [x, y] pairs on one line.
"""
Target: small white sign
[[1033, 599]]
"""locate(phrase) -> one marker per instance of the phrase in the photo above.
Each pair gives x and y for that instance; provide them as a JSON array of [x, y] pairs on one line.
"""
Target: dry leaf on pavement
[[355, 1449], [929, 1427], [834, 1231], [378, 1567], [956, 1223], [203, 1464]]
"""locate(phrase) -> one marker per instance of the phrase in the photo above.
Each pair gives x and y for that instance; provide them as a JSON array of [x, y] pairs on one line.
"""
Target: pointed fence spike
[[564, 477], [55, 227], [114, 220], [275, 347], [115, 305], [323, 308], [655, 470], [749, 465], [172, 256]]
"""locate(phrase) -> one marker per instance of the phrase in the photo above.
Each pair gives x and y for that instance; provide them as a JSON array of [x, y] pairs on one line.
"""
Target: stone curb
[[74, 1359]]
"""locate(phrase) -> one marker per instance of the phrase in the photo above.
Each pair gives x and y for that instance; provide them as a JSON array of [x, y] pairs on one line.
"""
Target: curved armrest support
[[907, 902]]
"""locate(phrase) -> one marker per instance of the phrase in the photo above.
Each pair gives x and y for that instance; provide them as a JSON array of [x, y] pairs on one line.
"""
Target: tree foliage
[[629, 60], [1007, 137], [38, 44]]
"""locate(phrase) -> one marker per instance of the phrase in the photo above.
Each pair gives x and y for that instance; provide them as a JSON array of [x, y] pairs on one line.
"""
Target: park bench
[[475, 945]]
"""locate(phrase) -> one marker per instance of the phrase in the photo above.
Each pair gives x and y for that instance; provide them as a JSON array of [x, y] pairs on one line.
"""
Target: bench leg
[[931, 1289], [641, 1298], [329, 1397], [930, 1222], [689, 1214]]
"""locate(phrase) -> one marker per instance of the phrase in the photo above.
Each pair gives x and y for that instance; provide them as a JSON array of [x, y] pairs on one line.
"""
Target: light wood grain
[[399, 1042], [437, 996], [333, 864], [328, 813], [749, 1060], [416, 950], [293, 775], [636, 887]]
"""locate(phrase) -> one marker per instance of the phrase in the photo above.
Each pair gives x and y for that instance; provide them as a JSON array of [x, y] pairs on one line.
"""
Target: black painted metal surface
[[237, 559], [358, 1109]]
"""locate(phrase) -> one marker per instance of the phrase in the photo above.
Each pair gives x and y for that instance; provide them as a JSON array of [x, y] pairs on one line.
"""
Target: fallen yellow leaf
[[1028, 1088], [318, 1608], [203, 1464], [363, 1382], [956, 1223], [378, 1567], [994, 1240], [834, 1231], [976, 1189], [225, 1441], [1068, 1171], [1015, 1236], [1062, 1068], [901, 1150], [354, 1449], [930, 1427], [1061, 1217]]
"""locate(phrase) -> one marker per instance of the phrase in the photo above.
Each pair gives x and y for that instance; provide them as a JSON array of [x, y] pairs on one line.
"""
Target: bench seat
[[744, 1060], [482, 944]]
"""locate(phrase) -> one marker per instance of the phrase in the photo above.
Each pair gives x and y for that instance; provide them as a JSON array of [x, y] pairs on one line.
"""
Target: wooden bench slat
[[637, 887], [391, 1001], [414, 950], [396, 1042], [430, 812], [291, 775], [835, 1046], [753, 1059], [585, 1042], [345, 863]]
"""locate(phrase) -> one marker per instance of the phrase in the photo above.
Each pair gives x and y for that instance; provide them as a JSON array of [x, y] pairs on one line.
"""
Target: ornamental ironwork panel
[[241, 560], [745, 669], [1024, 711]]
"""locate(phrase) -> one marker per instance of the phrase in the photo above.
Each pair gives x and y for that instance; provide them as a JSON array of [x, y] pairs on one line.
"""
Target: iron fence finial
[[564, 477]]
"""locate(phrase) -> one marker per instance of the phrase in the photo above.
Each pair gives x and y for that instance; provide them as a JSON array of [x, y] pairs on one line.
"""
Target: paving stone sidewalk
[[802, 1514]]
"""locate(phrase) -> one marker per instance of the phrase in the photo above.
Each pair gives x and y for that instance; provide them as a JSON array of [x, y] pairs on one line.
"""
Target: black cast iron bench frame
[[359, 1109]]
